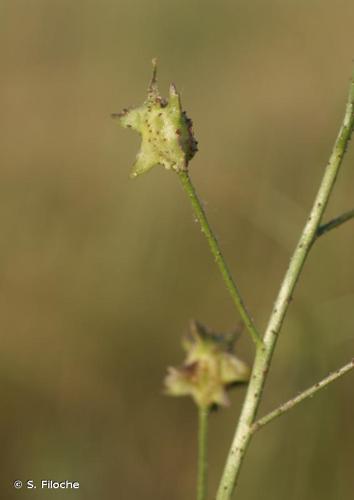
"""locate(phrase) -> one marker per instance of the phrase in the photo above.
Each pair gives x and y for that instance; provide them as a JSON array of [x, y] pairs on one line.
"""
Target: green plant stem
[[218, 256], [332, 224], [265, 352], [308, 393], [202, 479]]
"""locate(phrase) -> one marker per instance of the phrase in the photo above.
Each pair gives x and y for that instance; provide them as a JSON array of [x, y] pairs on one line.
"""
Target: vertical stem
[[202, 479], [219, 258], [265, 352]]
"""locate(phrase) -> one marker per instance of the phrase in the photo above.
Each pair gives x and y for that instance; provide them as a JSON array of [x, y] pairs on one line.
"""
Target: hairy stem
[[202, 479], [218, 256], [332, 224], [308, 393], [265, 352]]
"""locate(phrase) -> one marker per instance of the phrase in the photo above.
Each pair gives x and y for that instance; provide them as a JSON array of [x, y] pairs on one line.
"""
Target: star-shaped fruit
[[166, 131], [209, 369]]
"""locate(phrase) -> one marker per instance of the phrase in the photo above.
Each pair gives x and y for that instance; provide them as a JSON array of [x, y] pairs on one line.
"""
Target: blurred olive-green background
[[100, 274]]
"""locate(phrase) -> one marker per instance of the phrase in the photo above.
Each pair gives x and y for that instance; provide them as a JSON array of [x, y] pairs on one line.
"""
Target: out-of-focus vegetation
[[100, 274]]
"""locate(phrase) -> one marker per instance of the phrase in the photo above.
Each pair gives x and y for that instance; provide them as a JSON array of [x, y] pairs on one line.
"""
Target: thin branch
[[308, 393], [202, 478], [218, 256], [332, 224], [264, 353]]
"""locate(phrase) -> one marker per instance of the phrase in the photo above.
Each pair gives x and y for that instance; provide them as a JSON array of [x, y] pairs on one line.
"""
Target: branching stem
[[332, 224], [265, 352], [218, 256], [308, 393]]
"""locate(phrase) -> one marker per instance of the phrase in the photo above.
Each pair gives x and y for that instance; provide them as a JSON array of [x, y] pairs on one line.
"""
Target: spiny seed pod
[[166, 131], [209, 369]]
